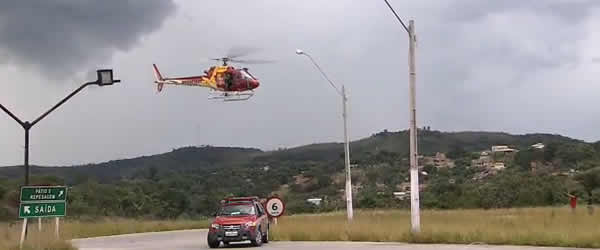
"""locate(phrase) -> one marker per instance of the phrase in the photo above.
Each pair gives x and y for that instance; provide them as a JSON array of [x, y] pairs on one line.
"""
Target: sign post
[[275, 208], [42, 202], [23, 233], [57, 222]]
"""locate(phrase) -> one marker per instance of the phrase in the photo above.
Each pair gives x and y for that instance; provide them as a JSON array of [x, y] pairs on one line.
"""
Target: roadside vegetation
[[187, 183], [11, 233], [181, 189], [547, 226], [550, 226], [75, 229]]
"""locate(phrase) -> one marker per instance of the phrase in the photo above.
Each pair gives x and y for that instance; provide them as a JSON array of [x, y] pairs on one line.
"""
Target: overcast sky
[[519, 66]]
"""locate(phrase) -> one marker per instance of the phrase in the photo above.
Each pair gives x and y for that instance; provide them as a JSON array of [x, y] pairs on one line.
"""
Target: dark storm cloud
[[516, 66], [59, 37]]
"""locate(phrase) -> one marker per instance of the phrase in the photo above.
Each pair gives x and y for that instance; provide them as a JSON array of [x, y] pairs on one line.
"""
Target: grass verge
[[11, 233], [115, 226], [524, 226], [72, 229]]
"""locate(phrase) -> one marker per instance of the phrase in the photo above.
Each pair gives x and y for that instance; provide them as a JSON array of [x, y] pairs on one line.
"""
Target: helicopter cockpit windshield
[[246, 76]]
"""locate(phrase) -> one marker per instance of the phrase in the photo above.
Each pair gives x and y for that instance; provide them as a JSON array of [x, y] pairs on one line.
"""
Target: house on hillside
[[315, 201], [502, 149], [499, 165], [401, 195], [503, 154], [484, 161], [439, 161], [538, 146]]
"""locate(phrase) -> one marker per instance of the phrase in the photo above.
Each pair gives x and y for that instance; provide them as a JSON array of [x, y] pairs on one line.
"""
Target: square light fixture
[[105, 77]]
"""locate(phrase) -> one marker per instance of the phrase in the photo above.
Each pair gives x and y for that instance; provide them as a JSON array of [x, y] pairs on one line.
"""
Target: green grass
[[526, 226]]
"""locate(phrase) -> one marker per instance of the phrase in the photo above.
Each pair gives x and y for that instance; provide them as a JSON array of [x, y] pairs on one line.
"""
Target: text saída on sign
[[42, 209]]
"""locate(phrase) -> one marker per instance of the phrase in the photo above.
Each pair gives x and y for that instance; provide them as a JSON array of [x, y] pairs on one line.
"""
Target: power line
[[325, 75], [393, 11]]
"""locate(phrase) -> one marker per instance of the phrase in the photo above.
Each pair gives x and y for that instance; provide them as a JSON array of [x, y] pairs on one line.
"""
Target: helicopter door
[[247, 78]]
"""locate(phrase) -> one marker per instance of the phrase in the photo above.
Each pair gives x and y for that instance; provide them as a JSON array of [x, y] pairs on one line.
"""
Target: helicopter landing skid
[[231, 96]]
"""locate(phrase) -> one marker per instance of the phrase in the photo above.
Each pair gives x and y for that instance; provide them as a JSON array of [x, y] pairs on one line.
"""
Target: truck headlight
[[215, 226], [250, 224]]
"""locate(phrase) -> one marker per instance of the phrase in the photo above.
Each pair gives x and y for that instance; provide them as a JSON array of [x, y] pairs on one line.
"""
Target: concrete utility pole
[[342, 93], [415, 217], [349, 209]]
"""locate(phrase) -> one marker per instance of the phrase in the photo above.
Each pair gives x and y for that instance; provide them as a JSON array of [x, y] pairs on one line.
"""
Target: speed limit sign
[[275, 207]]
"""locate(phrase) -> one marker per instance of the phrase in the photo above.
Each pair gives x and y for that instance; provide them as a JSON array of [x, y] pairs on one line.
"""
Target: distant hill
[[431, 141], [209, 157], [176, 160], [189, 181]]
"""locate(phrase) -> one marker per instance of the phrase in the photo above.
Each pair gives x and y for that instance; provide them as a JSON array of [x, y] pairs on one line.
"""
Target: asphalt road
[[196, 239]]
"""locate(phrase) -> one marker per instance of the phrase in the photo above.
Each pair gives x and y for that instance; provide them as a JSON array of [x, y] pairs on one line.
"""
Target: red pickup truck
[[239, 219]]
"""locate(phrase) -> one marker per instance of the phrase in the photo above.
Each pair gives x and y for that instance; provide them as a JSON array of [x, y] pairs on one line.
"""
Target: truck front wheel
[[257, 241], [213, 244]]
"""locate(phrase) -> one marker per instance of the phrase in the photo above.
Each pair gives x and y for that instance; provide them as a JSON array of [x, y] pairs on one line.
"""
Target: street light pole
[[105, 77], [342, 93], [415, 217]]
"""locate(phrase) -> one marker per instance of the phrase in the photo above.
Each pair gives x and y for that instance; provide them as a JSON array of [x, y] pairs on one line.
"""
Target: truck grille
[[231, 227]]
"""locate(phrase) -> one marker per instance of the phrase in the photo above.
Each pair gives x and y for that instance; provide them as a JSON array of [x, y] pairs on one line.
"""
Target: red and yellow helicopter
[[226, 82]]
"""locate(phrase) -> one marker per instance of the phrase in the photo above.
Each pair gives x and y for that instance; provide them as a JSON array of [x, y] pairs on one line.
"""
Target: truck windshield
[[237, 210]]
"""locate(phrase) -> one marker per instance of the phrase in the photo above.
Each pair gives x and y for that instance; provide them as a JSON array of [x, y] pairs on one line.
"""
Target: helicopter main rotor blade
[[253, 61], [240, 51]]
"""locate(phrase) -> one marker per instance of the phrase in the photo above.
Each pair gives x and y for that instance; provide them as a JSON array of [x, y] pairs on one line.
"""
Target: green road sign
[[43, 193], [42, 209]]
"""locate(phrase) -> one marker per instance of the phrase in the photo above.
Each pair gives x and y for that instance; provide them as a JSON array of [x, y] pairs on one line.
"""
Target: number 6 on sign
[[275, 207]]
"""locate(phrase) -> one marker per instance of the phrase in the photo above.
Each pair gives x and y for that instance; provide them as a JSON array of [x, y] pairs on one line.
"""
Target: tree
[[524, 158], [2, 192], [456, 152], [590, 180]]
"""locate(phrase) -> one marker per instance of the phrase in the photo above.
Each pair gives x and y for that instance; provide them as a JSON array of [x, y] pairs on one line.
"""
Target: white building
[[316, 201], [401, 195], [538, 146], [502, 149]]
